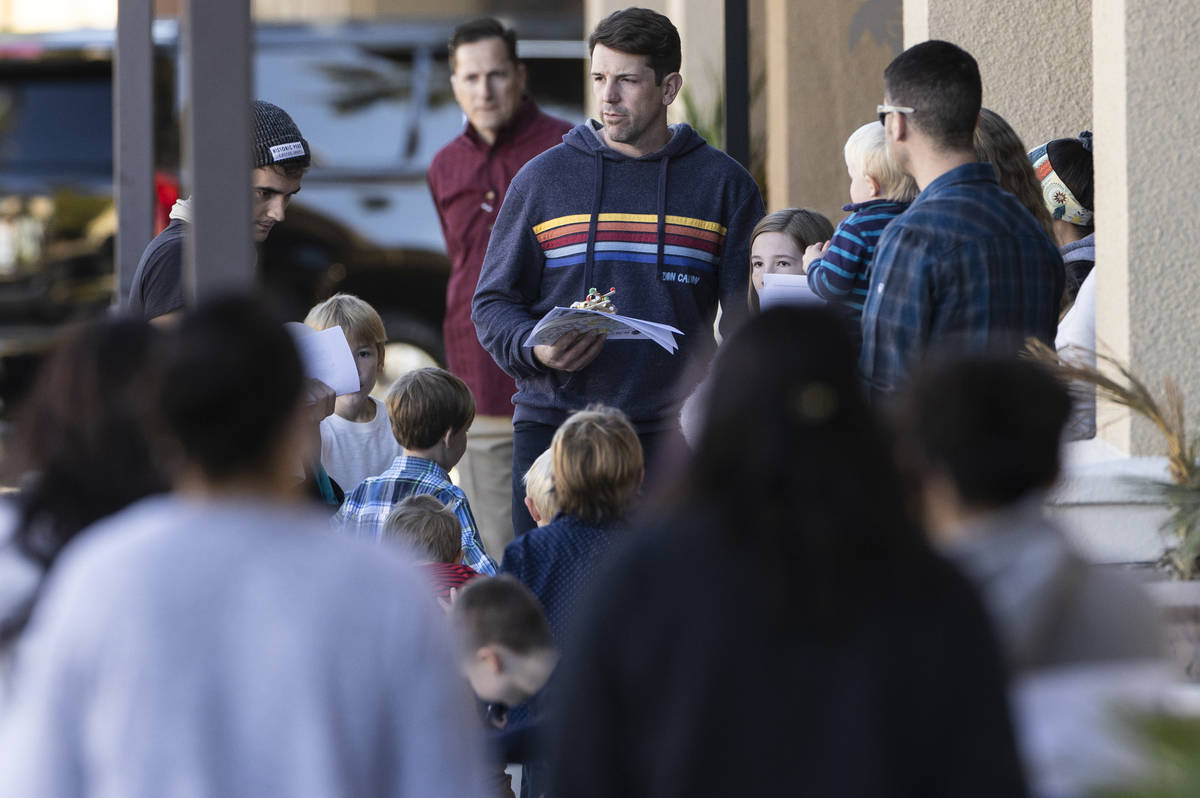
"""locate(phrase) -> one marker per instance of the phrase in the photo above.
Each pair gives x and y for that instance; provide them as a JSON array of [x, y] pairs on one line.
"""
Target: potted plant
[[1179, 593]]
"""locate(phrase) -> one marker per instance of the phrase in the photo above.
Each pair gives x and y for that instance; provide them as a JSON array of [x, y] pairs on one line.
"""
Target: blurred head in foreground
[[982, 434], [506, 650], [86, 435], [791, 462], [232, 401]]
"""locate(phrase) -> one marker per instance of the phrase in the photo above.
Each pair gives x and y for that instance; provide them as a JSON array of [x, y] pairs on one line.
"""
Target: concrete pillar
[[133, 140], [824, 68], [1035, 57], [1147, 113], [217, 124]]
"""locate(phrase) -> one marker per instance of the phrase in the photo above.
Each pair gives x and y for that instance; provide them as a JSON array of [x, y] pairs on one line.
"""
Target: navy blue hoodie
[[670, 231]]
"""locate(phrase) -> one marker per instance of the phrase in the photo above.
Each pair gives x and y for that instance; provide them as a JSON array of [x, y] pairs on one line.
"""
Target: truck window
[[56, 125]]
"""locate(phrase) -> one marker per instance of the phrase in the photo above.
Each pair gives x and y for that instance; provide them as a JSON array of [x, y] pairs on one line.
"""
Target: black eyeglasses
[[884, 110]]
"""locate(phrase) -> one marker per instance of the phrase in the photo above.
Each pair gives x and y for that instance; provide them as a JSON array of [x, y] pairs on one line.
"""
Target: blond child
[[540, 498], [597, 464], [879, 192], [356, 440], [430, 532]]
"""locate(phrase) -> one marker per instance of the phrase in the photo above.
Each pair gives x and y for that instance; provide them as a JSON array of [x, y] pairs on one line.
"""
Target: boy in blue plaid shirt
[[430, 410], [839, 269]]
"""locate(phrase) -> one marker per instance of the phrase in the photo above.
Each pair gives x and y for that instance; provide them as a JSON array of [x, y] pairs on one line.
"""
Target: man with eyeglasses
[[966, 267]]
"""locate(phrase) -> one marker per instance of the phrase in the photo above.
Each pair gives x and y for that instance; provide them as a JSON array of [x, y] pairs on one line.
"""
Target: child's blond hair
[[427, 403], [597, 461], [866, 150], [358, 320], [539, 486], [427, 527]]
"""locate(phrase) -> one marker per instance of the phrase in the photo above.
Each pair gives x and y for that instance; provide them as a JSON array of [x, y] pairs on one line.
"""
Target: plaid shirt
[[365, 510], [966, 267]]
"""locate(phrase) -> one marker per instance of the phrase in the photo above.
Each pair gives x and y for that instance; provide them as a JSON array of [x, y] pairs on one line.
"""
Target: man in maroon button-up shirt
[[468, 178]]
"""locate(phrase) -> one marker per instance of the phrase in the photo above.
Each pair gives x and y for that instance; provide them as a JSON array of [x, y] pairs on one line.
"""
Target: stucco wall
[[824, 67], [1147, 163], [1035, 57]]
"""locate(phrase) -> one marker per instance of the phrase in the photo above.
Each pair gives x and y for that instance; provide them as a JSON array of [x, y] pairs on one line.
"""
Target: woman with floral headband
[[1064, 167]]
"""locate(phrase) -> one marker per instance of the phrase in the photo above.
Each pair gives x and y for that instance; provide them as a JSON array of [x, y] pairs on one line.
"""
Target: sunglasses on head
[[884, 110]]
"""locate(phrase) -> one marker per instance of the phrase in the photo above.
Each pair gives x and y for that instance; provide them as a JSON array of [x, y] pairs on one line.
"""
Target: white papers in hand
[[786, 289], [562, 320], [326, 356]]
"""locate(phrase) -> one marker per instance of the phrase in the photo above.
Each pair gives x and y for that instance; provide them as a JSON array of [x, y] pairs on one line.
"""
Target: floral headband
[[1058, 198]]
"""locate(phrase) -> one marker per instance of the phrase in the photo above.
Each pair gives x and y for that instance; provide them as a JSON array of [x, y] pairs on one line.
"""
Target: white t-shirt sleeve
[[351, 451]]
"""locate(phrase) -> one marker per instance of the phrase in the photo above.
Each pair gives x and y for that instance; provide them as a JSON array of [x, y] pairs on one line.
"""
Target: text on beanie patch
[[281, 152]]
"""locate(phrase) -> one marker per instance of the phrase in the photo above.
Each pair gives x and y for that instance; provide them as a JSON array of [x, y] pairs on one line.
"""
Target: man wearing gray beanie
[[280, 157]]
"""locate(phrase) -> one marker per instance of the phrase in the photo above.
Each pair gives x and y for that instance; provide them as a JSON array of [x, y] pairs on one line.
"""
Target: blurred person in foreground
[[983, 435], [783, 625], [85, 449], [507, 653], [218, 641]]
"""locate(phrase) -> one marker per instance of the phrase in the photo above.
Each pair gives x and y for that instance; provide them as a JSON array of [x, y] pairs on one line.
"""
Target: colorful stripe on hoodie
[[633, 237]]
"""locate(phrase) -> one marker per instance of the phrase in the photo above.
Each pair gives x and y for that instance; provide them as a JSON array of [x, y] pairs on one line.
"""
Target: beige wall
[[1035, 57], [1148, 231], [1126, 69], [338, 9], [25, 16], [823, 81], [37, 15]]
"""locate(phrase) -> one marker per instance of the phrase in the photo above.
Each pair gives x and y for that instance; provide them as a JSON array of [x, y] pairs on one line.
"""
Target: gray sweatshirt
[[188, 648]]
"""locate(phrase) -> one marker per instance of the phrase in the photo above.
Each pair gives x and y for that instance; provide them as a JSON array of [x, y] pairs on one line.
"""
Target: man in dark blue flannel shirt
[[966, 267]]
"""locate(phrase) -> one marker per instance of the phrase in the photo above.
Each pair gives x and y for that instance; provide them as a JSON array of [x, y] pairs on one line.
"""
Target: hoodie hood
[[182, 210], [586, 137]]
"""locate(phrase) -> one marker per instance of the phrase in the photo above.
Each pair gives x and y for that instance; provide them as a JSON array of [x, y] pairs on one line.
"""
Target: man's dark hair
[[941, 82], [992, 425], [231, 382], [426, 526], [640, 31], [501, 611], [484, 28]]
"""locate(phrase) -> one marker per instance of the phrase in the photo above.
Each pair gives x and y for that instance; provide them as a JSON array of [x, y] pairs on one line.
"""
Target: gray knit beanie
[[277, 140]]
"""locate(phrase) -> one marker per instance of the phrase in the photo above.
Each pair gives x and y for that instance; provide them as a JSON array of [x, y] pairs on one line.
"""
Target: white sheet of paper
[[326, 356], [786, 289], [562, 320]]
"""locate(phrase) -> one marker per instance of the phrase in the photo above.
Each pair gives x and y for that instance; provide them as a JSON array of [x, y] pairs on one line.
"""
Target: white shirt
[[188, 648], [351, 451], [1078, 328]]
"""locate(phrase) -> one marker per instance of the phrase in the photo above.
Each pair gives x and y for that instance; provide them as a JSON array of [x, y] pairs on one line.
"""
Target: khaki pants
[[485, 475]]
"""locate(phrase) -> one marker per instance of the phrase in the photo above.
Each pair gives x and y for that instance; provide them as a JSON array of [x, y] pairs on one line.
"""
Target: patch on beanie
[[282, 152]]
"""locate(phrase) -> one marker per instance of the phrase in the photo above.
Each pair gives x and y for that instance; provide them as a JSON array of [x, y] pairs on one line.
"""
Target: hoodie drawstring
[[662, 209], [593, 222]]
